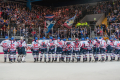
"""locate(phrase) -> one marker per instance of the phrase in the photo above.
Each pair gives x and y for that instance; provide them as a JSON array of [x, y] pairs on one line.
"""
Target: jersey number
[[20, 45], [12, 46], [35, 45], [4, 44]]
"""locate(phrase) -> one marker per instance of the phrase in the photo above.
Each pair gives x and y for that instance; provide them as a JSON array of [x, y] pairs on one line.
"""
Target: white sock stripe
[[15, 56], [41, 55], [8, 55], [5, 55], [11, 56], [34, 56], [49, 55], [37, 56], [53, 55], [56, 55]]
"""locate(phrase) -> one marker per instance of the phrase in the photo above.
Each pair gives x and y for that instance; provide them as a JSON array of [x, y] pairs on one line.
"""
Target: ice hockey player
[[35, 48], [118, 50], [43, 48], [21, 50], [83, 49], [51, 52], [100, 39], [103, 49], [12, 46], [76, 50], [64, 49], [59, 49], [89, 48], [115, 47], [5, 44], [69, 48], [109, 47], [96, 44]]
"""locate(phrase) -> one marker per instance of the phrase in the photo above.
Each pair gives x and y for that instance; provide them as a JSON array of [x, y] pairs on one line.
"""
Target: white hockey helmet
[[21, 38]]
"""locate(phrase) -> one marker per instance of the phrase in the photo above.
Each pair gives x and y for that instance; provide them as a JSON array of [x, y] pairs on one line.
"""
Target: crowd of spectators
[[20, 17], [16, 19], [76, 32], [113, 19], [112, 12], [114, 29], [114, 15]]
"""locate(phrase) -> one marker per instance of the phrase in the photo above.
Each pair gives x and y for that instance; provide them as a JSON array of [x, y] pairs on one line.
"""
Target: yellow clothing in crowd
[[82, 24]]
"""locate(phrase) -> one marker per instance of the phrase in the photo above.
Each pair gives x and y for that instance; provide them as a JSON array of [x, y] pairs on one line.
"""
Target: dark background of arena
[[58, 3]]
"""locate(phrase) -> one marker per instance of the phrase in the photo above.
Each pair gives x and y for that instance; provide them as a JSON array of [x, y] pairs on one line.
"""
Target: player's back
[[110, 42], [21, 43], [115, 43], [5, 43], [13, 45], [83, 42], [35, 45]]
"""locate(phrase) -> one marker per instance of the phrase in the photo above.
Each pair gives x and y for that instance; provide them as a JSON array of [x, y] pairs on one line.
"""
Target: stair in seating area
[[105, 22]]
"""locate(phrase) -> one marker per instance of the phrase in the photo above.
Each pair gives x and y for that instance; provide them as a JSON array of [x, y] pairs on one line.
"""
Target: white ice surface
[[59, 71]]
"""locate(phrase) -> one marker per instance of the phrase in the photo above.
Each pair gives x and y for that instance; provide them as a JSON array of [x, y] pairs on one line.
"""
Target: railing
[[32, 32]]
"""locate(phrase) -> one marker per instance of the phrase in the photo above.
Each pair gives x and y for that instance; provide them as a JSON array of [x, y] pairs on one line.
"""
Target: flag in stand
[[68, 23], [49, 17], [49, 23], [45, 24]]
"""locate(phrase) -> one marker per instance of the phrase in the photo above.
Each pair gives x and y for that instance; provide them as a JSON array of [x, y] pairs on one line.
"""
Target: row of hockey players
[[62, 50], [69, 51], [10, 46]]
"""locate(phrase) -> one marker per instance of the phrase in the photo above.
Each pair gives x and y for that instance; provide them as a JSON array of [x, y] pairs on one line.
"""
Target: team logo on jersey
[[5, 41]]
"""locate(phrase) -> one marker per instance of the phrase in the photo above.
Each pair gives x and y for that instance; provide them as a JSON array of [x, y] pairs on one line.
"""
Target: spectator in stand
[[98, 31], [101, 32], [82, 32], [95, 31], [14, 31], [34, 33], [117, 32], [1, 25], [116, 26], [18, 32], [108, 32], [69, 34], [0, 14], [4, 30], [30, 31], [85, 32], [113, 36]]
